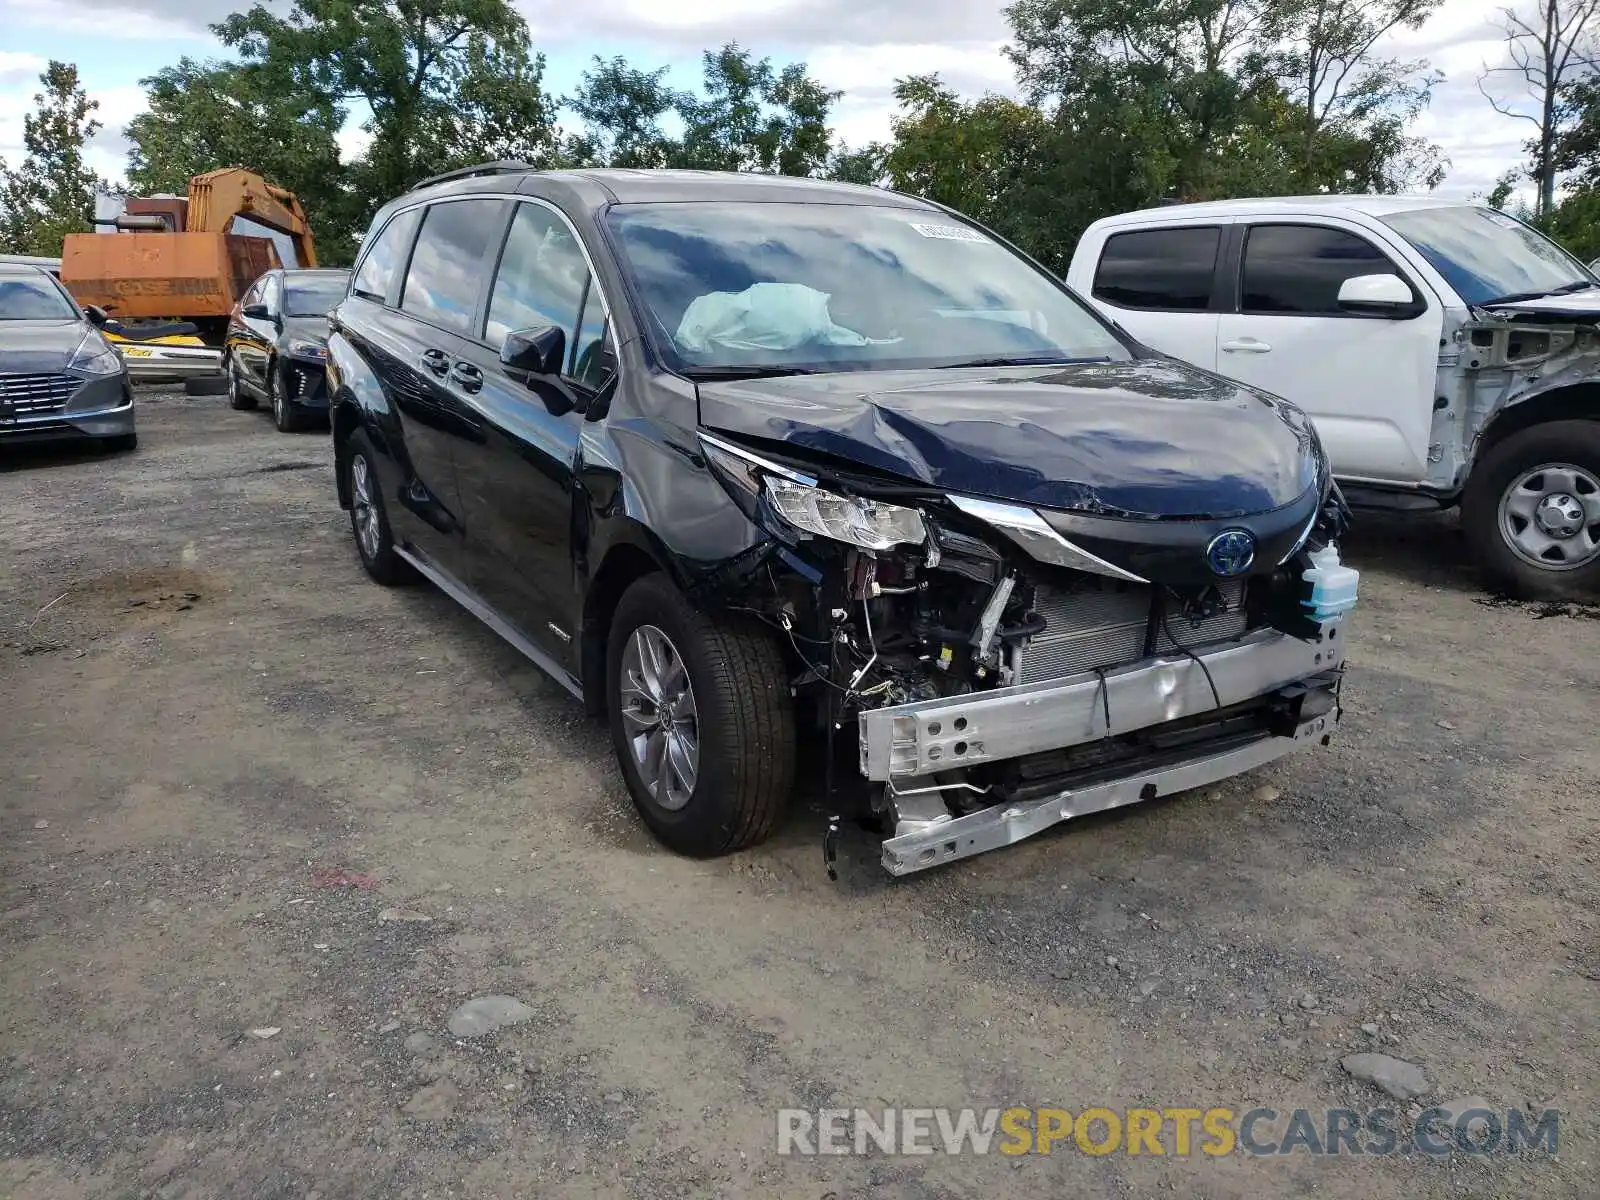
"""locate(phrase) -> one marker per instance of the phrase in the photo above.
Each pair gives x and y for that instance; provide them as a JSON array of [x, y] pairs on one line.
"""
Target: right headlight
[[769, 492], [870, 524]]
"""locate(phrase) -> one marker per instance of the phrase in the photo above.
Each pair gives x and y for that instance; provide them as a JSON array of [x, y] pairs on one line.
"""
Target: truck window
[[447, 265], [1299, 268], [379, 266], [1159, 268]]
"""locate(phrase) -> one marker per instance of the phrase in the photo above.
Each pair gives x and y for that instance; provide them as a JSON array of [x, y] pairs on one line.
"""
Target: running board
[[463, 596]]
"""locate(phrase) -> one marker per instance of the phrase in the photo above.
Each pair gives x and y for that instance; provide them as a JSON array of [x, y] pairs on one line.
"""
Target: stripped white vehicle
[[1447, 353]]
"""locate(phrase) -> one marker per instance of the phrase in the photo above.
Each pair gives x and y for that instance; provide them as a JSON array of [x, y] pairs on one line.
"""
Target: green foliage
[[748, 116], [50, 193], [205, 115], [446, 82]]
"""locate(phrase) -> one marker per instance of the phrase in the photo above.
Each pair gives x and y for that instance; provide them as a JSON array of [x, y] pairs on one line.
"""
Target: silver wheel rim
[[659, 717], [277, 400], [1550, 517], [364, 509], [233, 384]]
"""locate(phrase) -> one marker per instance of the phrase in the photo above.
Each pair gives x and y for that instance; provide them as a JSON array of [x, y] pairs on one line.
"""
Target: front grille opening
[[34, 394], [1096, 624]]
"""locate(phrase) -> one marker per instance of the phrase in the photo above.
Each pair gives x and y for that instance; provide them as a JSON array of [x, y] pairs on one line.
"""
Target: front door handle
[[436, 361], [1246, 346], [466, 376]]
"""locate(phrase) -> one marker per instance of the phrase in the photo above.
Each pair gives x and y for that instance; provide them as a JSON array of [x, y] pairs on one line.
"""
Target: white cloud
[[857, 46]]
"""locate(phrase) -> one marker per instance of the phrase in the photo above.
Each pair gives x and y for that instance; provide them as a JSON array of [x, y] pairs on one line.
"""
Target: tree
[[205, 115], [1345, 96], [51, 192], [622, 109], [752, 118], [1547, 49], [445, 81]]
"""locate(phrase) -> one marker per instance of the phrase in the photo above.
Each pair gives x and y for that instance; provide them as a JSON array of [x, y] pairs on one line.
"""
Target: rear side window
[[1299, 268], [542, 280], [1169, 269], [383, 260], [447, 264]]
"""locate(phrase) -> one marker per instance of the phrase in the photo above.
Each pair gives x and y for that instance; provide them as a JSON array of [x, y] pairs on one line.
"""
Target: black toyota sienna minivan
[[745, 459]]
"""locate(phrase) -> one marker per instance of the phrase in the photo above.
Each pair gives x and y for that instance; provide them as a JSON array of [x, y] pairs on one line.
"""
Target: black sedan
[[277, 345]]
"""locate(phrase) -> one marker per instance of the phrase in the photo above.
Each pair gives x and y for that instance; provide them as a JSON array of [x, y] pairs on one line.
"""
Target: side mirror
[[538, 351], [95, 315], [1379, 296], [256, 312]]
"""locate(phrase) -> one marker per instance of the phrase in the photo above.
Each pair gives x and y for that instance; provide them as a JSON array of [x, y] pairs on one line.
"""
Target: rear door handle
[[436, 361], [466, 376], [1246, 346]]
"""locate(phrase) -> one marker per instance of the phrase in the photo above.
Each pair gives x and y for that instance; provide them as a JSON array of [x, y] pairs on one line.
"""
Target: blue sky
[[859, 46]]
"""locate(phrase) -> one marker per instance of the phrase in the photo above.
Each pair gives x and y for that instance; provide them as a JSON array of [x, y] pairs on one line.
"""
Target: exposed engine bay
[[960, 614]]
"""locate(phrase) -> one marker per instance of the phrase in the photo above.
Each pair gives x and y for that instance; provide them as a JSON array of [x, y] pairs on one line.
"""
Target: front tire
[[1532, 511], [701, 721], [369, 519]]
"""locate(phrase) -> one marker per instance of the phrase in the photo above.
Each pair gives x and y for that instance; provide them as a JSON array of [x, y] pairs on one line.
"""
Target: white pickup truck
[[1447, 353]]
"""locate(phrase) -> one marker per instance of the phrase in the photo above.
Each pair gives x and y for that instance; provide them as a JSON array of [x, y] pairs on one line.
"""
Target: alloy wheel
[[1550, 517], [659, 717], [363, 507]]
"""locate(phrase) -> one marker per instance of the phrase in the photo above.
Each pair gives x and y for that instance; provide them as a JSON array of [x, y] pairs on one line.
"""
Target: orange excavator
[[172, 262]]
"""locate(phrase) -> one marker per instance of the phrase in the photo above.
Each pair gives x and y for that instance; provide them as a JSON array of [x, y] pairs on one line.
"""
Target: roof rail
[[505, 166]]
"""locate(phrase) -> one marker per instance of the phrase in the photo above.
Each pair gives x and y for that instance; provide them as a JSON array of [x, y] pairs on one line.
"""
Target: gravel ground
[[244, 790]]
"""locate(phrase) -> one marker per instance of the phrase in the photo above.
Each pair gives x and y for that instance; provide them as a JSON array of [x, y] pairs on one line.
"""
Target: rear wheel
[[237, 396], [286, 414], [369, 520], [1532, 510], [701, 721]]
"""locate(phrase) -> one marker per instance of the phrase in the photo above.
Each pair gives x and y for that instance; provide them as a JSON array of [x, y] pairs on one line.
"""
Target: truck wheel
[[701, 721], [205, 385], [1532, 510]]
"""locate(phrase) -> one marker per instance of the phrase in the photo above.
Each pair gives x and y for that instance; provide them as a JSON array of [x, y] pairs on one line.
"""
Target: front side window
[[1165, 269], [269, 295], [382, 262], [1486, 256], [1300, 268], [314, 295], [542, 280], [843, 287], [447, 264], [35, 299]]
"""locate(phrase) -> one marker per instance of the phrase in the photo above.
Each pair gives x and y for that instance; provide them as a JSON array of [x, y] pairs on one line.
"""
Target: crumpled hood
[[36, 347], [1147, 438]]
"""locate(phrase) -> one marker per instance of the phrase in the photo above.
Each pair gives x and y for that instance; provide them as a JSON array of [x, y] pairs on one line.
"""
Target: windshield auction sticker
[[949, 233]]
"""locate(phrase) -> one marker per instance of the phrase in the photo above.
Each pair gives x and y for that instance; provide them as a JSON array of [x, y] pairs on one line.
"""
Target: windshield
[[833, 287], [314, 296], [34, 300], [1485, 255]]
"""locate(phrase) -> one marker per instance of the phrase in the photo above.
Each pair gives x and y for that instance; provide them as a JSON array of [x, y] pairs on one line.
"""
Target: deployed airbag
[[765, 316]]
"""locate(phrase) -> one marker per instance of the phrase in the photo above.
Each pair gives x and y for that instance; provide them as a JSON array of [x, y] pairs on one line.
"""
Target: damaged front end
[[1003, 668]]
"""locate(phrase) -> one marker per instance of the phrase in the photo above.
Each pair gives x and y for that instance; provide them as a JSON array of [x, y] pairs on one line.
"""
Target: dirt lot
[[226, 758]]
